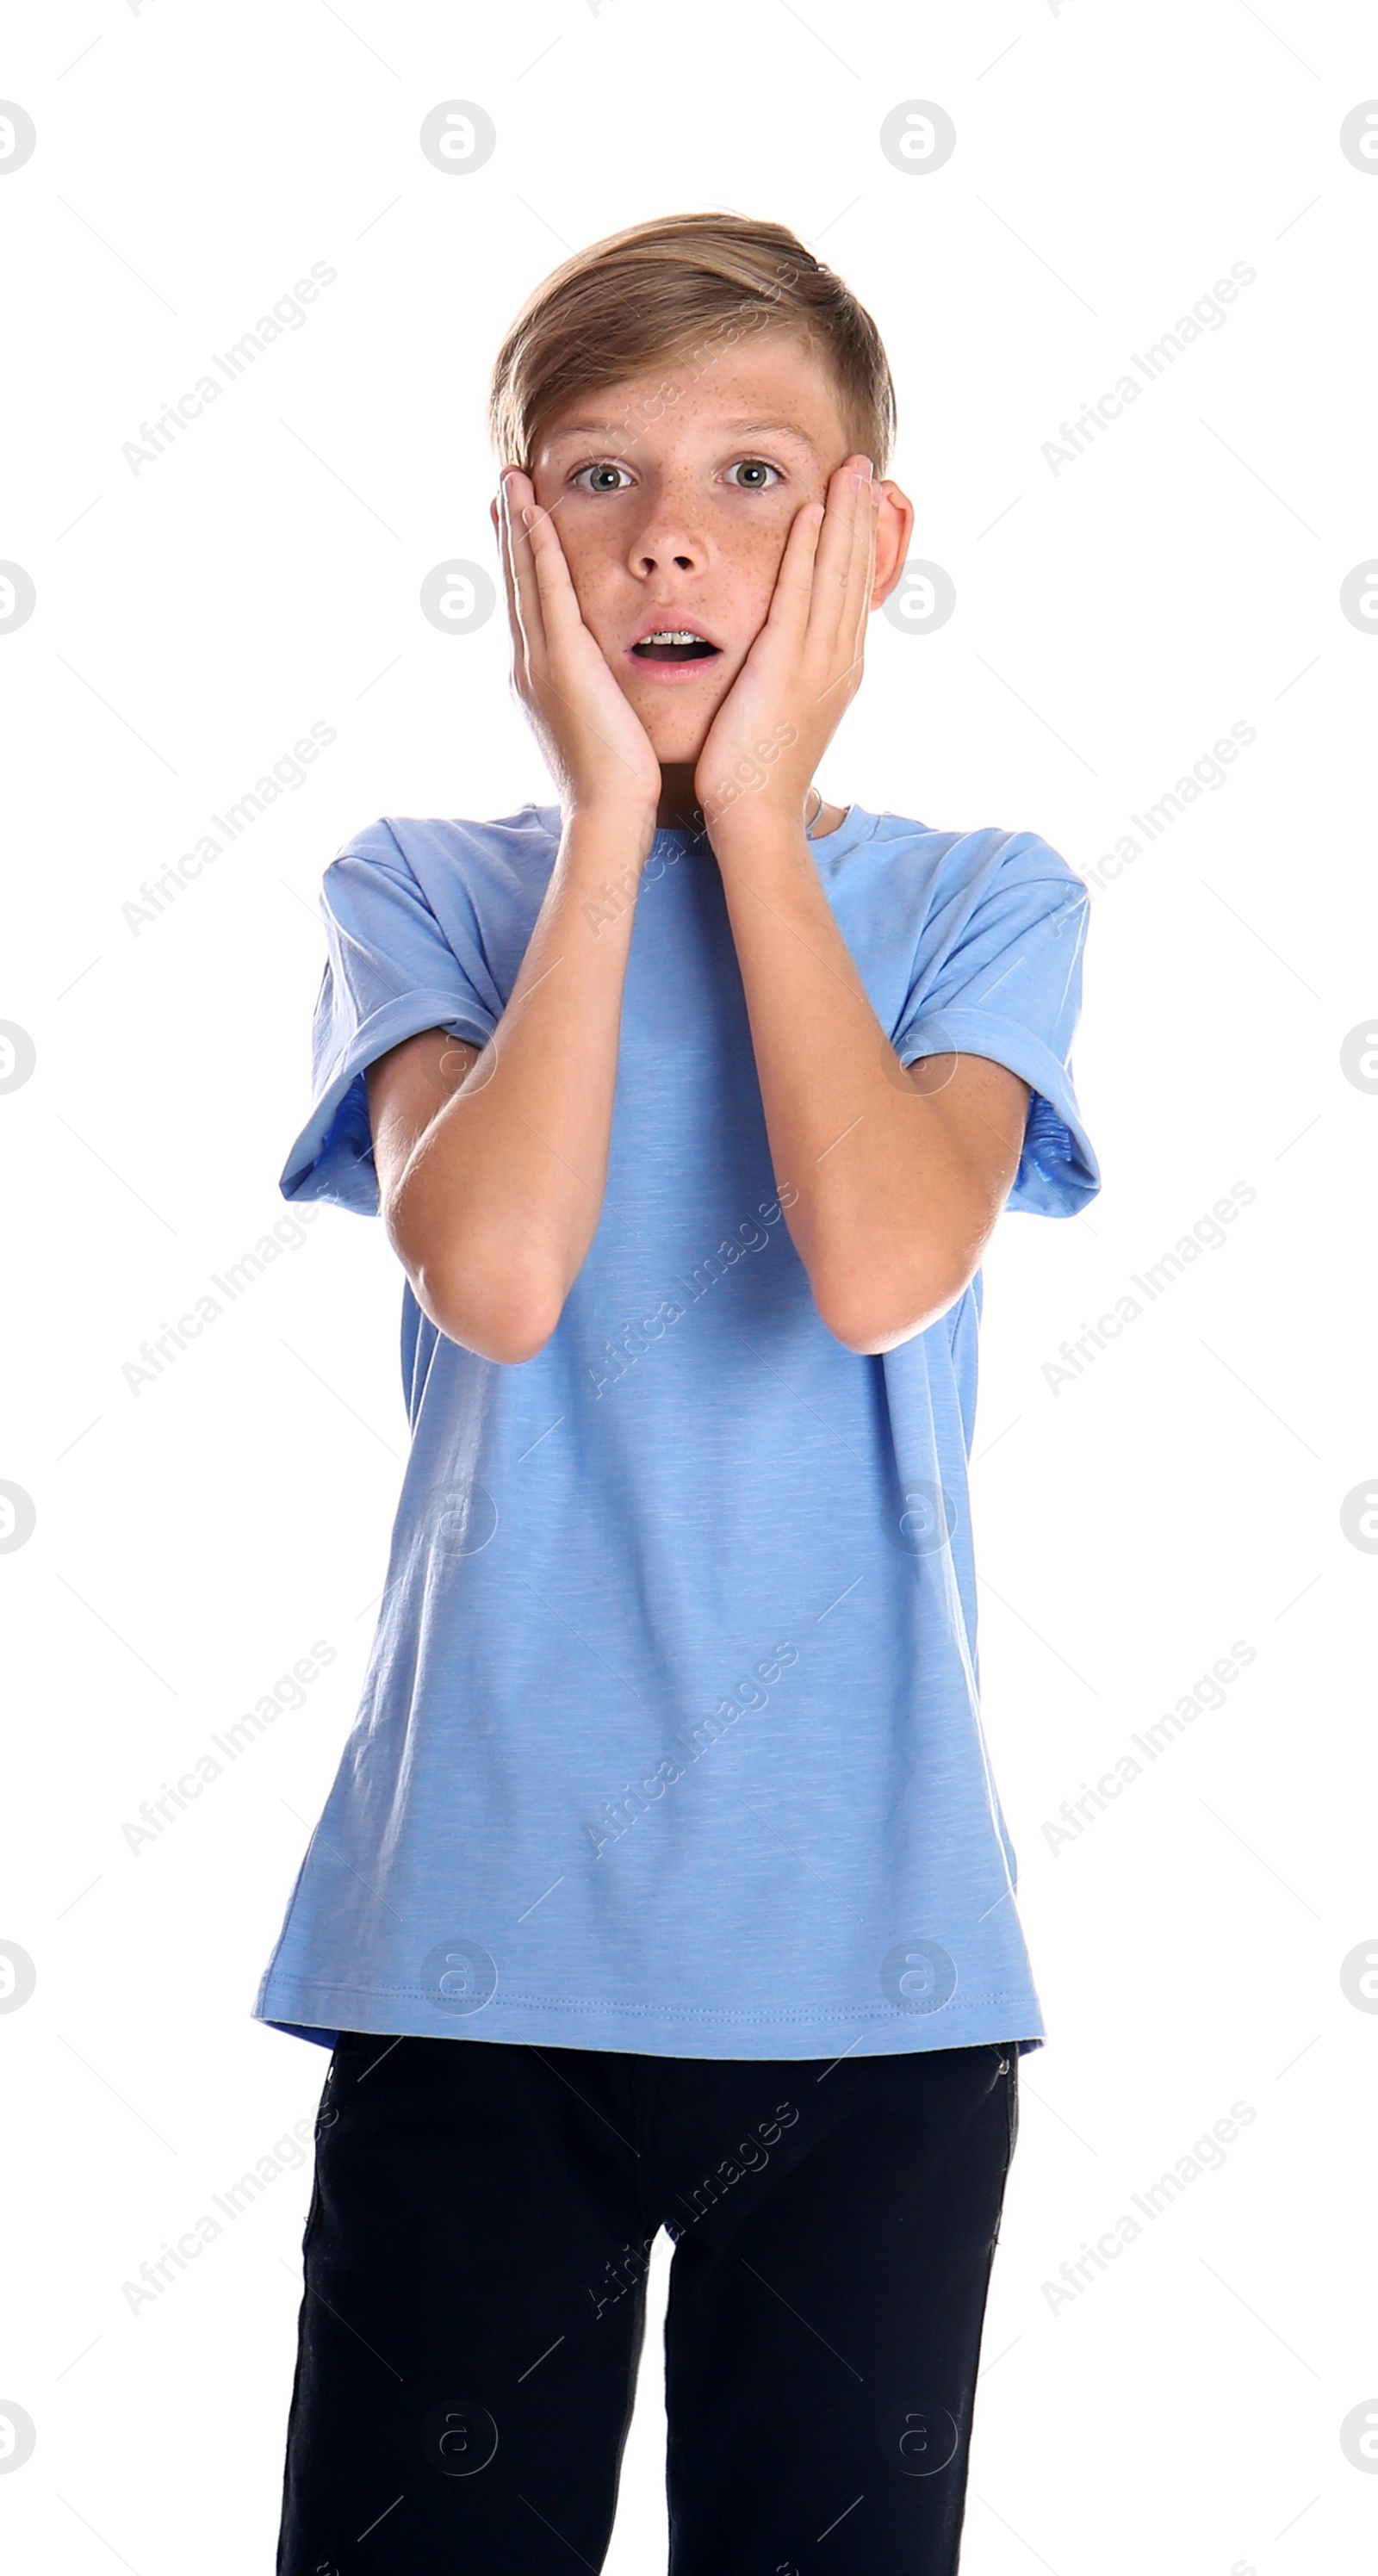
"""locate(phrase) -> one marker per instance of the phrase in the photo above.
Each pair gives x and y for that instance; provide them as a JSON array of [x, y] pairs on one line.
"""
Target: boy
[[663, 1881]]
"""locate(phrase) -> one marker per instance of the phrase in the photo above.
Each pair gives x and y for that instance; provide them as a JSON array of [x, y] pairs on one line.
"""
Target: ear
[[894, 528]]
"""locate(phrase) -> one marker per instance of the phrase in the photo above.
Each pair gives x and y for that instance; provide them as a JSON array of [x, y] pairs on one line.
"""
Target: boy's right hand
[[594, 744]]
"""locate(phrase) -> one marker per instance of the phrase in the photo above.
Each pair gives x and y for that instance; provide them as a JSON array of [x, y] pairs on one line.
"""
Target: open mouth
[[676, 644]]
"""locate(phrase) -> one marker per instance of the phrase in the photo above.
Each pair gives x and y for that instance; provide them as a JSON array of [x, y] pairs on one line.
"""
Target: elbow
[[509, 1326], [498, 1309], [874, 1315], [502, 1319]]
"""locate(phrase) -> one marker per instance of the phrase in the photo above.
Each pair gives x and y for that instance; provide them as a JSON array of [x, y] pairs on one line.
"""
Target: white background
[[193, 1539]]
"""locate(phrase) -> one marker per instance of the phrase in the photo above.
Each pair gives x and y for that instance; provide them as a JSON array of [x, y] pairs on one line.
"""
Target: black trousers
[[475, 2269]]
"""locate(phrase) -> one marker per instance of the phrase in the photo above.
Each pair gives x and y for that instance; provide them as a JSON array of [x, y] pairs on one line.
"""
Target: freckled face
[[673, 514]]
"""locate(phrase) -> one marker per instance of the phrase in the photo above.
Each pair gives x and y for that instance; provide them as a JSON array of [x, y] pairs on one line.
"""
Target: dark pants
[[475, 2266]]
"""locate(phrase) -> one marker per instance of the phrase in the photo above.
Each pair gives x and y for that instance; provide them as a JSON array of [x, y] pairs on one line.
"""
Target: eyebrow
[[731, 428]]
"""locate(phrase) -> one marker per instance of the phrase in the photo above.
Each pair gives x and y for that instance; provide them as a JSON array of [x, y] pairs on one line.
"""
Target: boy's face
[[672, 500]]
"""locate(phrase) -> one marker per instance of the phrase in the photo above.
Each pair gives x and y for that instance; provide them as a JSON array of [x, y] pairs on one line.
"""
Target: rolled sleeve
[[390, 973]]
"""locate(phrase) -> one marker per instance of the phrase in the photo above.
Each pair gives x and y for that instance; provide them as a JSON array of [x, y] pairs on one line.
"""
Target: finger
[[844, 645], [518, 494], [842, 652], [509, 575], [856, 524], [790, 599], [858, 609], [528, 637], [559, 600], [845, 519]]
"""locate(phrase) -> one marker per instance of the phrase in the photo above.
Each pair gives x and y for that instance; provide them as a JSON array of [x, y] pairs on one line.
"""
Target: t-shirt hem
[[320, 2012]]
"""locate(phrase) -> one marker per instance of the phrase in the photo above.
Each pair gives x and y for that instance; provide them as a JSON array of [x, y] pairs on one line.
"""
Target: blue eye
[[601, 468], [755, 465]]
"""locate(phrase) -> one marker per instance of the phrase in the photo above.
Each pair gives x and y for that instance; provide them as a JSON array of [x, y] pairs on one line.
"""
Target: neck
[[680, 811]]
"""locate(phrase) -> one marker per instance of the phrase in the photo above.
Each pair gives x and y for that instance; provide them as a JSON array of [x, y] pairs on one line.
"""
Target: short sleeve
[[390, 972], [1002, 978]]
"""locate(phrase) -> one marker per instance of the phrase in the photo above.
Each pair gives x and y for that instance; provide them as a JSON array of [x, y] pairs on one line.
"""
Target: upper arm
[[407, 1087], [984, 1108]]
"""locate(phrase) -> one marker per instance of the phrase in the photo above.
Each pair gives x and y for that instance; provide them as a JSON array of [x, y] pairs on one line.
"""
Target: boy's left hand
[[804, 668]]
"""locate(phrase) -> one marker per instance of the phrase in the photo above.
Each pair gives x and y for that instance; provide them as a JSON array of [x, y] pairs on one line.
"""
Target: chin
[[675, 746], [677, 734]]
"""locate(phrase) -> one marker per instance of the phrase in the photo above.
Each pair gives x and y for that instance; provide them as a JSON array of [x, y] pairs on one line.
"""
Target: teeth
[[673, 635]]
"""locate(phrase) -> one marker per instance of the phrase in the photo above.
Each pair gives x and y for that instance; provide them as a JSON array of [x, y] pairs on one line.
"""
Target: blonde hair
[[683, 288]]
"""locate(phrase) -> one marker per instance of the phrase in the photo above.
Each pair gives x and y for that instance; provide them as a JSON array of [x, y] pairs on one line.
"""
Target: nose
[[668, 535]]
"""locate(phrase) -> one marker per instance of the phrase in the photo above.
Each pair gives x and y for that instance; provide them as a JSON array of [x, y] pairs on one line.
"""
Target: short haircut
[[674, 292]]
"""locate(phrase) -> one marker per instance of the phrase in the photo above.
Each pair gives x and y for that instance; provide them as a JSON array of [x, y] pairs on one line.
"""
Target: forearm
[[887, 1215], [499, 1200]]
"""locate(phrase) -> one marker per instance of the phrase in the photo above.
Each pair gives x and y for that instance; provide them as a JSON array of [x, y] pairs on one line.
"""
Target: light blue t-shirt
[[670, 1736]]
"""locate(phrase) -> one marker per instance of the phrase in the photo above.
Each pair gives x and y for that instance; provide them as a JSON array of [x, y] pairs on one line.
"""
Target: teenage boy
[[663, 1882]]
